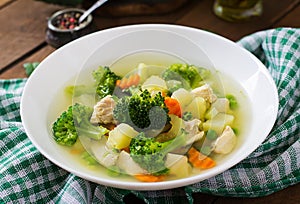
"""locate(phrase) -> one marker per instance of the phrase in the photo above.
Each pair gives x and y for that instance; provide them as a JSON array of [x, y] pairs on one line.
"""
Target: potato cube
[[178, 165], [218, 122]]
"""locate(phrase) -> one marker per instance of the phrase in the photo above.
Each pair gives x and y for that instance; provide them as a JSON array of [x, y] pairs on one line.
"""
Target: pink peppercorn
[[67, 20]]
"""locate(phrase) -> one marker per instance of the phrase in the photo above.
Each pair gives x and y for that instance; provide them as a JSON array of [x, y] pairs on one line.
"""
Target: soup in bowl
[[149, 107]]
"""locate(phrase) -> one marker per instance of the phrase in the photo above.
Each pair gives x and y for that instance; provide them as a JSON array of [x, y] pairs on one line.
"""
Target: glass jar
[[237, 10], [62, 27]]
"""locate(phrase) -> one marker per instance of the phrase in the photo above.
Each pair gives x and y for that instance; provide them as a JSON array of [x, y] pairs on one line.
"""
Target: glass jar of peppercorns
[[63, 27]]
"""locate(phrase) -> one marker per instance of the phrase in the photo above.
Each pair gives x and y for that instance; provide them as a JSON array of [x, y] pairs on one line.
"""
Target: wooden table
[[22, 39]]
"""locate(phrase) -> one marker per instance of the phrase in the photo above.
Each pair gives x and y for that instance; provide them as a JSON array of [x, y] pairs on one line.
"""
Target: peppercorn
[[67, 21]]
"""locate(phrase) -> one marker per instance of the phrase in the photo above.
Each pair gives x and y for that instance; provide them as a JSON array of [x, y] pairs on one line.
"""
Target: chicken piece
[[126, 163], [205, 92], [192, 127], [103, 111], [194, 134], [225, 142]]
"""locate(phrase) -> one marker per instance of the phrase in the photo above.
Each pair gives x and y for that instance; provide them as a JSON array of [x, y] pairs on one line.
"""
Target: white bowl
[[43, 96]]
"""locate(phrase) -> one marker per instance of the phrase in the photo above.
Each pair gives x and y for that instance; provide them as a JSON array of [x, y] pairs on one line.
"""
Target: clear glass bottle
[[238, 10]]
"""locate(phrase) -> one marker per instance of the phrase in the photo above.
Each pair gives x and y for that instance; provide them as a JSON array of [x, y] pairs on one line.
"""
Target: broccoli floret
[[63, 128], [190, 76], [105, 81], [142, 111], [150, 154], [74, 122], [104, 84]]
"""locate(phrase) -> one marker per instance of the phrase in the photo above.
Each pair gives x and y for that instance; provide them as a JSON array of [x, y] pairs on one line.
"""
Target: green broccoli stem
[[177, 142], [150, 154], [91, 131], [78, 90]]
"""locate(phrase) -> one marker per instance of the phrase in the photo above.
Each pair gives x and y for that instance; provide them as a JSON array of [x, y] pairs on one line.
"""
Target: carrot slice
[[126, 149], [118, 82], [199, 160], [149, 177], [173, 106], [127, 82]]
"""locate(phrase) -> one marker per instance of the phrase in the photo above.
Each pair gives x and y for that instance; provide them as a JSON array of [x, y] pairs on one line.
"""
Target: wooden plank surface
[[196, 14], [103, 21], [17, 70], [5, 2], [201, 18], [25, 29], [292, 19]]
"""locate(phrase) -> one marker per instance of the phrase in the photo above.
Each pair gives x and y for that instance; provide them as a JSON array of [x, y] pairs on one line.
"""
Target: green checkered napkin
[[28, 177]]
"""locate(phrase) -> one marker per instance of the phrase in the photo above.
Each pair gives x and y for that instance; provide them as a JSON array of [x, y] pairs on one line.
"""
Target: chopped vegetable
[[187, 116], [77, 90], [157, 124], [155, 84], [211, 134], [189, 75], [126, 82], [218, 123], [142, 111], [173, 106], [178, 165], [183, 96], [197, 107], [149, 177], [121, 136], [63, 128], [73, 122], [232, 101], [221, 105], [150, 154], [199, 160], [206, 150], [106, 156], [128, 165], [105, 81]]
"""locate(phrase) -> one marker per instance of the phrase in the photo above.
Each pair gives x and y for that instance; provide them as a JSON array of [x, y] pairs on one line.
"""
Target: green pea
[[232, 101]]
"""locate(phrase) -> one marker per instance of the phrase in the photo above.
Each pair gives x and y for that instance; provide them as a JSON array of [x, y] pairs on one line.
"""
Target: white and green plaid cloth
[[28, 177]]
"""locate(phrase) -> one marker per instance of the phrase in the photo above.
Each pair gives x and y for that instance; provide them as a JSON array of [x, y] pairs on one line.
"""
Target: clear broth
[[220, 82]]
